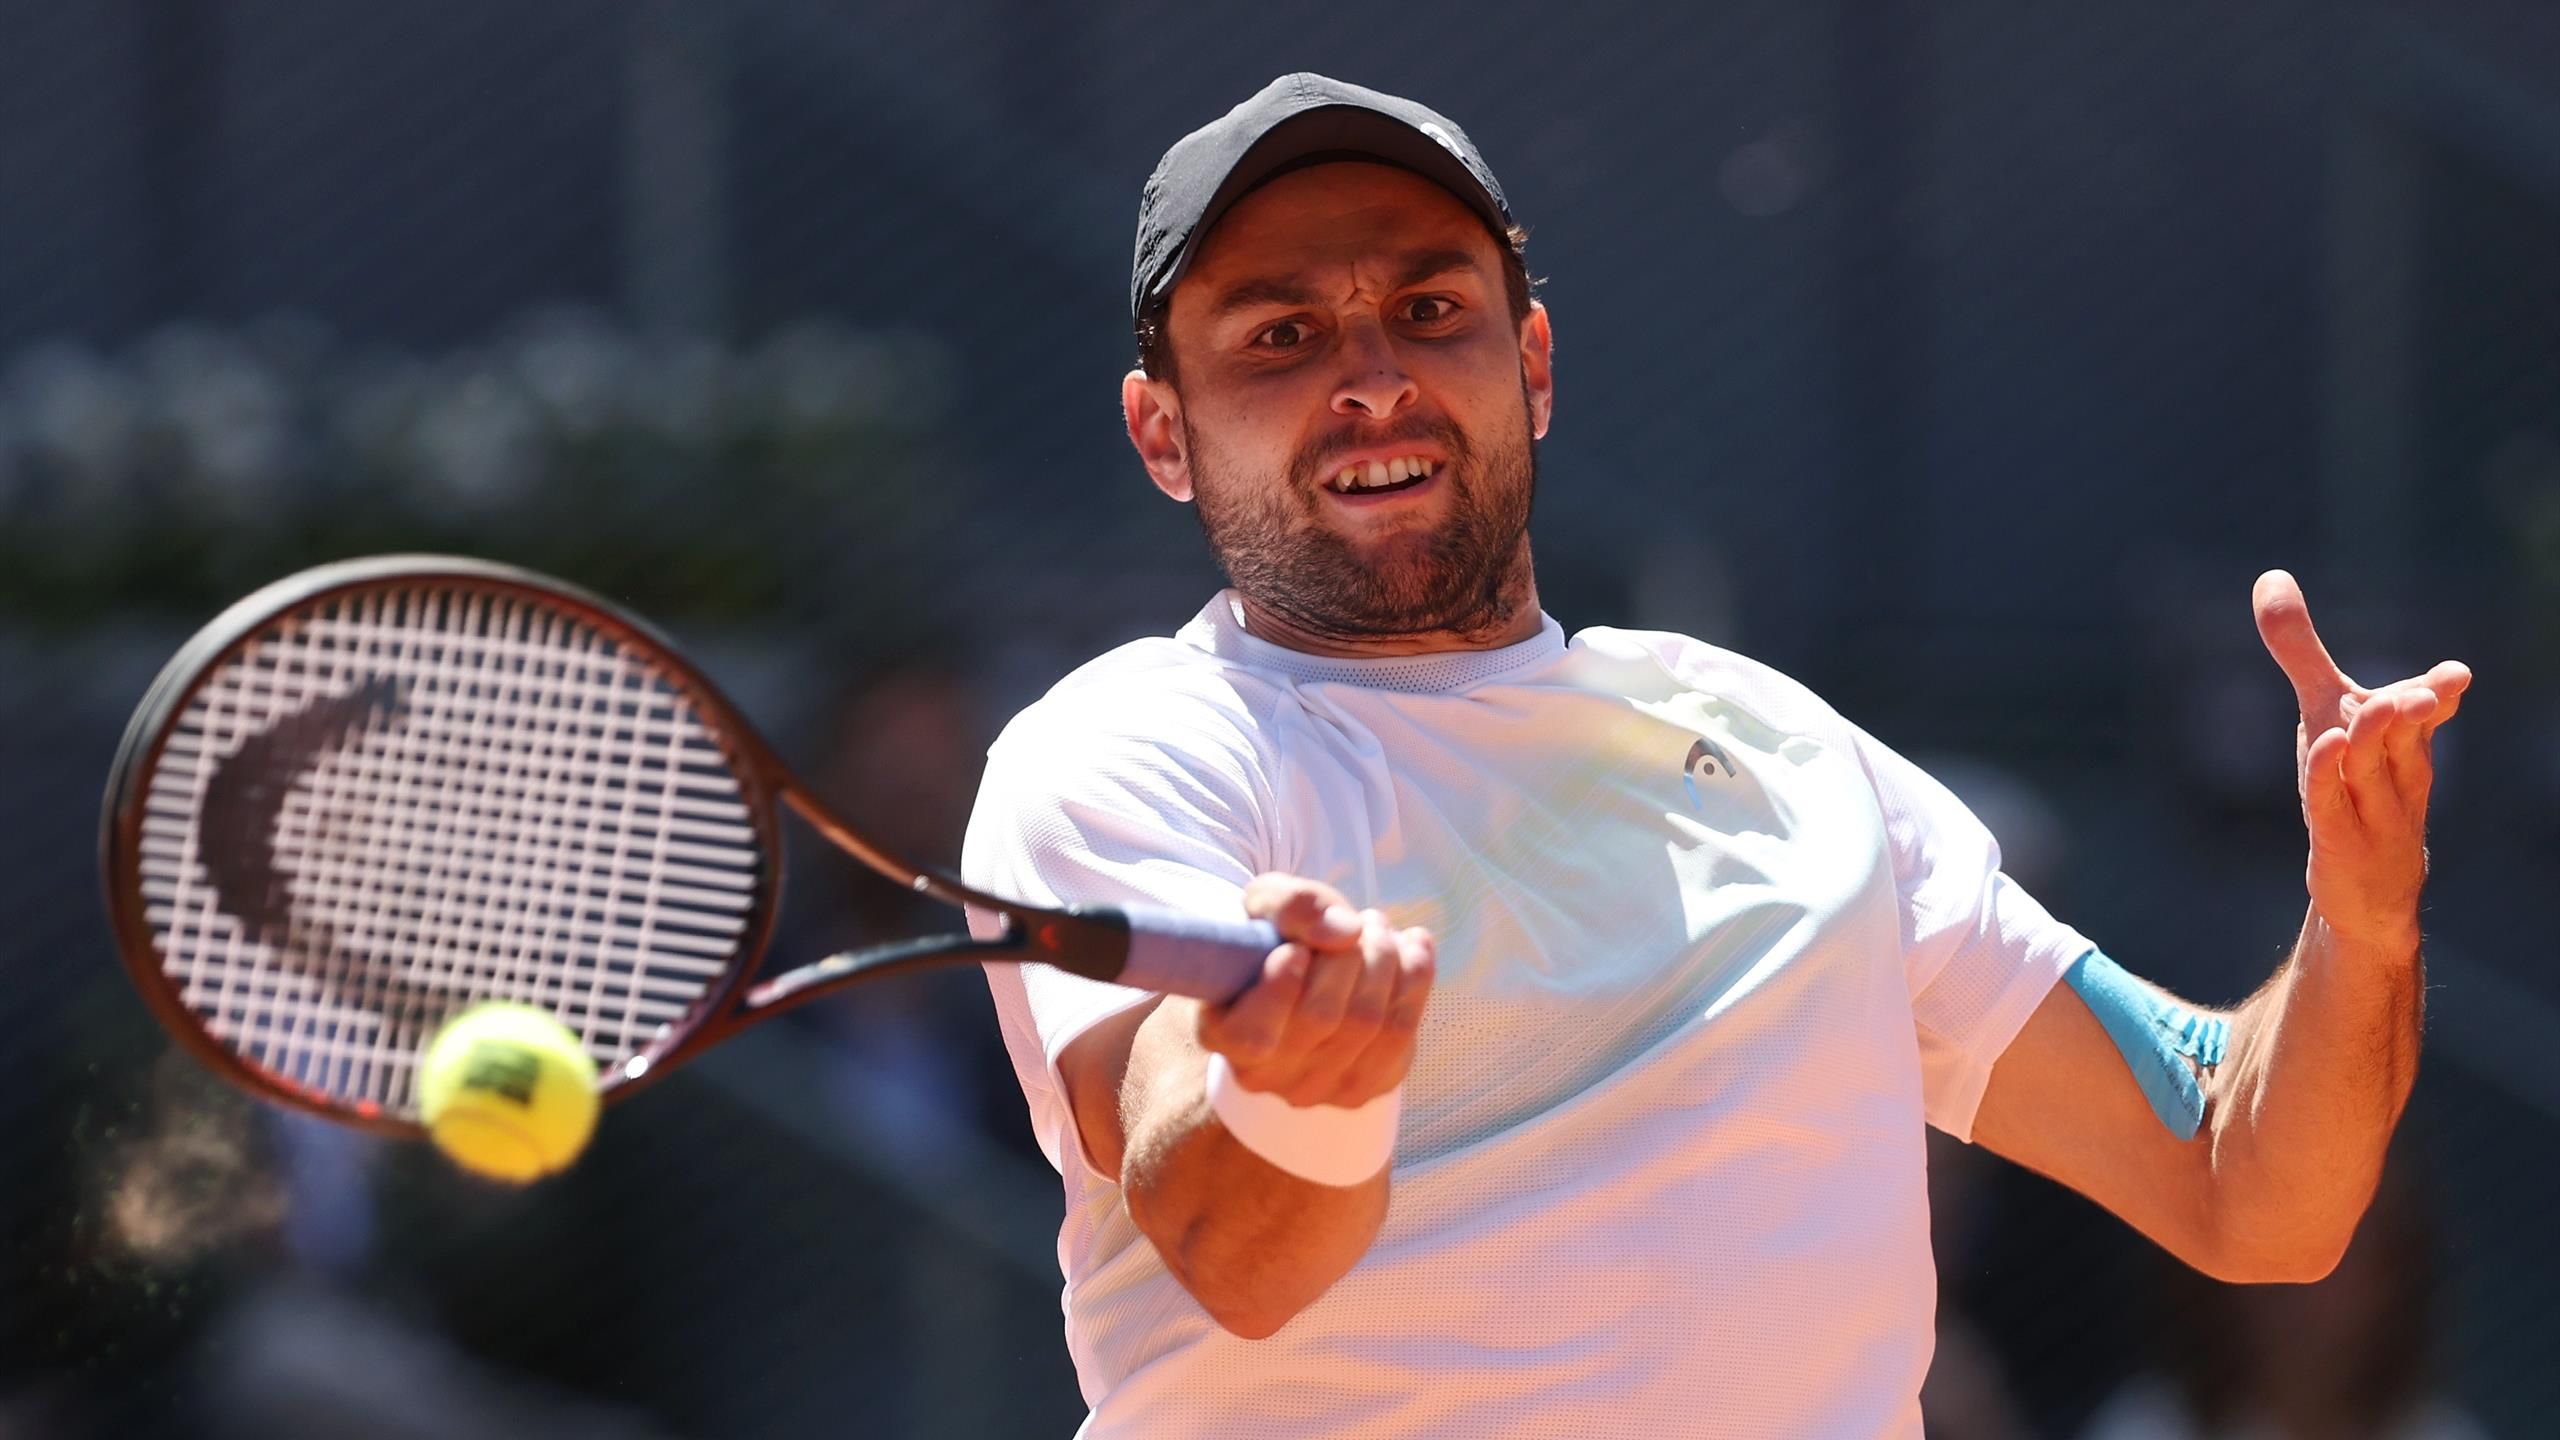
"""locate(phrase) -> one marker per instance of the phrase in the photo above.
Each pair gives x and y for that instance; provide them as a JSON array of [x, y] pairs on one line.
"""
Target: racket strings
[[541, 816]]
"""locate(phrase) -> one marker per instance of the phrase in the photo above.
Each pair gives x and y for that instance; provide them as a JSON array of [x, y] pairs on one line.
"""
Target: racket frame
[[1090, 941]]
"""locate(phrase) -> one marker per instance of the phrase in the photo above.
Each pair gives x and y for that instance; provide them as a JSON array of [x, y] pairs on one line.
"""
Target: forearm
[[1254, 1244], [2320, 1067]]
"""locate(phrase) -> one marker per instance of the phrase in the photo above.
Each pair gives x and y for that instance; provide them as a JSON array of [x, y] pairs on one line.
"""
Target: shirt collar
[[1439, 672]]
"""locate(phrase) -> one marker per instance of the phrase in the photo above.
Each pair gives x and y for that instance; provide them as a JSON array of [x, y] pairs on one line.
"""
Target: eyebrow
[[1419, 265]]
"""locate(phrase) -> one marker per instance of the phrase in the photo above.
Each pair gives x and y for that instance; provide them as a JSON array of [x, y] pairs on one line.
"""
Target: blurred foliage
[[681, 476]]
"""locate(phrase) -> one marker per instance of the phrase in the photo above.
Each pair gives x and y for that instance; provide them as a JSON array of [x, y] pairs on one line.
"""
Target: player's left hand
[[2364, 764]]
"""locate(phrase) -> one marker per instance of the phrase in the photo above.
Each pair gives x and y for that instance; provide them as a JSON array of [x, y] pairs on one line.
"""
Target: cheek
[[1266, 409], [1483, 388], [1251, 434]]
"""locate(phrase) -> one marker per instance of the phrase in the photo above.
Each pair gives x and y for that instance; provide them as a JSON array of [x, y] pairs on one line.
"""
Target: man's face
[[1341, 324]]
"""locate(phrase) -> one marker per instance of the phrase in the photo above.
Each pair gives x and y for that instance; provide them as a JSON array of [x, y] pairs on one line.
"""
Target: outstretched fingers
[[2449, 680], [2367, 769], [2385, 764], [2406, 746], [2366, 765]]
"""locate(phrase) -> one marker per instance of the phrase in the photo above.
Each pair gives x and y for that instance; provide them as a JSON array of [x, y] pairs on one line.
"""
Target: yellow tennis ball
[[508, 1092]]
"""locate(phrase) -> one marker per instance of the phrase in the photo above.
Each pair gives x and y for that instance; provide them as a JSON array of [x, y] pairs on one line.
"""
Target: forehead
[[1333, 215]]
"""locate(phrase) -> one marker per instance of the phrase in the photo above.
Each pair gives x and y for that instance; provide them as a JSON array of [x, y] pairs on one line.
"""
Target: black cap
[[1293, 120]]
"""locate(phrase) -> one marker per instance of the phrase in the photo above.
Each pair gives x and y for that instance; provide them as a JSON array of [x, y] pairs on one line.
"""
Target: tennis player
[[1622, 973]]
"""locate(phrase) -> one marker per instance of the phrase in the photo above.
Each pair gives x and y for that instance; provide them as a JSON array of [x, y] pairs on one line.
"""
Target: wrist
[[1329, 1144], [2380, 943]]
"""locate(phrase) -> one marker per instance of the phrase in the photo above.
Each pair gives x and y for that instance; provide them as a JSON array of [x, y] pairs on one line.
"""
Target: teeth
[[1374, 473]]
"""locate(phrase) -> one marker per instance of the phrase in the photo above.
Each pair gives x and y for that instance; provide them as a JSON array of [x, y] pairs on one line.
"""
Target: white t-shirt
[[1710, 956]]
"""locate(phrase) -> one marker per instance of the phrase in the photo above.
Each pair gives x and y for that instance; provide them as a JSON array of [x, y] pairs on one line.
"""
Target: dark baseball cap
[[1294, 121]]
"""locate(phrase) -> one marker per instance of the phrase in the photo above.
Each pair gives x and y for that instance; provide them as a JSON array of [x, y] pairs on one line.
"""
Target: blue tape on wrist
[[2156, 1036]]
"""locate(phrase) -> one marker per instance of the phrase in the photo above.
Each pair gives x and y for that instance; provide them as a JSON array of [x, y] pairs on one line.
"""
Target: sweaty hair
[[1155, 341]]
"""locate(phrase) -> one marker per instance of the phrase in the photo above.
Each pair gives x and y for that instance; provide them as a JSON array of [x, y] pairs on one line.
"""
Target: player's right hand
[[1332, 1020]]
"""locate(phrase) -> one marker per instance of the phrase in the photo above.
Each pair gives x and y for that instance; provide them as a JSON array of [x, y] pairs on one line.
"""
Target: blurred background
[[1965, 360]]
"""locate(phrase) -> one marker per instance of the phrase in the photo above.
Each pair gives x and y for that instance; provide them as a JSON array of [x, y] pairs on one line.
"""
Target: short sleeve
[[1978, 951], [1079, 813]]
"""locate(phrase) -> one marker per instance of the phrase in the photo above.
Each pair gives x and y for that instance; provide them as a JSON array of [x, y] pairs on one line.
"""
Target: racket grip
[[1173, 953]]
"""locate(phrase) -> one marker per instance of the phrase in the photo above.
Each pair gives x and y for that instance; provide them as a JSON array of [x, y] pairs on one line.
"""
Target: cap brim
[[1328, 133]]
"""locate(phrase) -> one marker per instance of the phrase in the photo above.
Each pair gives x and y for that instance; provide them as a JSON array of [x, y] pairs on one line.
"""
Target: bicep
[[2063, 1102]]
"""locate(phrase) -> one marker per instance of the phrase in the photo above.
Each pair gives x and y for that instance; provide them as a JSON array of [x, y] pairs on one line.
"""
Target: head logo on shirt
[[1706, 762]]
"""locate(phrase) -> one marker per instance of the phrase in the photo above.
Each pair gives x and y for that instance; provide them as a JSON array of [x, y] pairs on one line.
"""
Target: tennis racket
[[379, 792]]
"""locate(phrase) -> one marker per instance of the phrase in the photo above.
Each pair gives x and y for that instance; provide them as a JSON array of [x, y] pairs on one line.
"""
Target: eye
[[1430, 309], [1287, 335]]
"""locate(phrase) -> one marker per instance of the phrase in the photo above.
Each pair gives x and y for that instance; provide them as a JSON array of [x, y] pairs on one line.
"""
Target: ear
[[1153, 411], [1537, 368]]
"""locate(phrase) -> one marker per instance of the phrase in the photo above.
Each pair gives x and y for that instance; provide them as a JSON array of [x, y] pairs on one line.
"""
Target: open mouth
[[1383, 477]]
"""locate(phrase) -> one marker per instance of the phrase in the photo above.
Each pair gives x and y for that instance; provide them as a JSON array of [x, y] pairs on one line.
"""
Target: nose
[[1373, 381]]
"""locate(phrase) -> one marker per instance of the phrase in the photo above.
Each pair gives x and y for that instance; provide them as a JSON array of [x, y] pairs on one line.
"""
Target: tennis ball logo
[[508, 1092], [503, 1070]]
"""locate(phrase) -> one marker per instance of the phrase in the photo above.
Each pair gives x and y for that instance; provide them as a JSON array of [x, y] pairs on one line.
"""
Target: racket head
[[404, 735]]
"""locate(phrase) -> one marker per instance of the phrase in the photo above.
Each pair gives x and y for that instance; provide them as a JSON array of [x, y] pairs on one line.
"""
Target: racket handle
[[1173, 953]]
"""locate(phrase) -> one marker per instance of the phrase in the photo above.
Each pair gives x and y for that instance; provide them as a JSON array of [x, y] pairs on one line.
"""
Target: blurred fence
[[1964, 360]]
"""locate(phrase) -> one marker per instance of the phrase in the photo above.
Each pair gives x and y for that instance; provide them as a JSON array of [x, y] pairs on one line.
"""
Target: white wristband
[[1329, 1144]]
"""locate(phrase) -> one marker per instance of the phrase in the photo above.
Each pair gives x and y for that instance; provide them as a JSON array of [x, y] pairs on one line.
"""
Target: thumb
[[2284, 623], [1308, 911]]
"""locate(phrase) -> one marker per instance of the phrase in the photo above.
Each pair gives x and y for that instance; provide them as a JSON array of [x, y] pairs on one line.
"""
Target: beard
[[1467, 575]]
